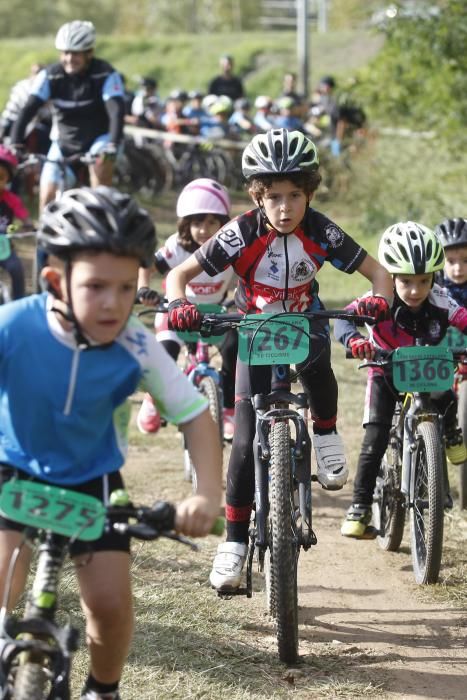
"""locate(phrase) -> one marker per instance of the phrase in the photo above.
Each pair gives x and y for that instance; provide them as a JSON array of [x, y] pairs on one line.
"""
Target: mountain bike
[[456, 341], [412, 477], [77, 165], [35, 650], [282, 515], [202, 374]]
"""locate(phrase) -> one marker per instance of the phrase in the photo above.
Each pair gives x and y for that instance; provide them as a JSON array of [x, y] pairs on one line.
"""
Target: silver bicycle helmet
[[279, 151], [452, 232], [76, 36], [408, 248], [100, 218]]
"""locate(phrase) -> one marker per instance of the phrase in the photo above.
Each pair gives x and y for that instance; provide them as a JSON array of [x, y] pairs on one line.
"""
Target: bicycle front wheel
[[283, 546], [210, 390], [31, 682], [427, 512], [462, 403]]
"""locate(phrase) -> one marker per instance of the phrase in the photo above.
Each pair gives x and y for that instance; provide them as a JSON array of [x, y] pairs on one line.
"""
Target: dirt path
[[363, 602]]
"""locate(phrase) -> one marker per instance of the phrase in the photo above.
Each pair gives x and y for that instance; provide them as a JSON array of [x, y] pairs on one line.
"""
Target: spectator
[[263, 118], [241, 121], [146, 108], [287, 117], [227, 83], [289, 89]]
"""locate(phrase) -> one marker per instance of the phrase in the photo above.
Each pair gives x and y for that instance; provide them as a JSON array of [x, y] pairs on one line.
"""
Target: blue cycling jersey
[[63, 410]]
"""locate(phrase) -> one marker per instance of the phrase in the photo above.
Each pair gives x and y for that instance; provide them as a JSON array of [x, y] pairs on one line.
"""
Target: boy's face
[[285, 205], [203, 226], [455, 267], [75, 61], [103, 291], [413, 289]]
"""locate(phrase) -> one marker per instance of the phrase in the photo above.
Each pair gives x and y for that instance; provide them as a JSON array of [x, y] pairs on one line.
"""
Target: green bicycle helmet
[[279, 151], [408, 248]]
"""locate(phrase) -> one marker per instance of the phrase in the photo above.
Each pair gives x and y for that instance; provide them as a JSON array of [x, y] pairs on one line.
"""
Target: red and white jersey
[[277, 272], [202, 289]]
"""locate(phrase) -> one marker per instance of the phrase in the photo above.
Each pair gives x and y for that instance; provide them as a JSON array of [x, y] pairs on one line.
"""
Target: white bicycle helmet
[[279, 151], [203, 196], [76, 36], [408, 248], [263, 102]]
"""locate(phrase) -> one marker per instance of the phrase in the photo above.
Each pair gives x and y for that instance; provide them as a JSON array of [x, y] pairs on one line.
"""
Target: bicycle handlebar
[[152, 522]]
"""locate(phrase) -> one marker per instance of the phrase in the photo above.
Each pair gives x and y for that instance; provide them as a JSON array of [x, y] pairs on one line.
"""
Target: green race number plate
[[53, 508], [268, 339], [194, 336], [423, 368], [5, 248], [454, 339]]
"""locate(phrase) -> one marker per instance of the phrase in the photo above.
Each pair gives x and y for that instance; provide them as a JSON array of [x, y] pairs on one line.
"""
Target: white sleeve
[[177, 400]]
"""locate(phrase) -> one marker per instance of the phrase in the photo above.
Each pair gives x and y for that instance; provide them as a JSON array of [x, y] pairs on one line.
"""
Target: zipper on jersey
[[72, 383], [286, 288]]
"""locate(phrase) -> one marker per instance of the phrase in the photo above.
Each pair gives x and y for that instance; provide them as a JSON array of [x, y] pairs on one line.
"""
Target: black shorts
[[100, 488]]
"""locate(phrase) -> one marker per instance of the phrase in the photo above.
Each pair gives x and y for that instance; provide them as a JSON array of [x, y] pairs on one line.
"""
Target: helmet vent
[[278, 149], [404, 253]]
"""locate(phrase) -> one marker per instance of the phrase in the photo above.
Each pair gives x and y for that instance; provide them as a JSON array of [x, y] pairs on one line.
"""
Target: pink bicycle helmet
[[8, 159], [203, 196]]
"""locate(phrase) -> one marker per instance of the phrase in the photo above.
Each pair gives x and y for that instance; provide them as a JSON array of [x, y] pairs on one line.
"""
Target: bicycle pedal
[[371, 533], [228, 595]]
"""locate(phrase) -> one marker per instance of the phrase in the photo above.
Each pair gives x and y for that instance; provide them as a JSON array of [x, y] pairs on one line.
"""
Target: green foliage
[[420, 77]]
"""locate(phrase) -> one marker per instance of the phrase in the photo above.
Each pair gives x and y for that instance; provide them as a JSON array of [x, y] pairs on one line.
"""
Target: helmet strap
[[81, 340]]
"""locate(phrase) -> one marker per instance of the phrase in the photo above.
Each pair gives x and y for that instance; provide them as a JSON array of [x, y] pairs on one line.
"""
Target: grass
[[190, 61]]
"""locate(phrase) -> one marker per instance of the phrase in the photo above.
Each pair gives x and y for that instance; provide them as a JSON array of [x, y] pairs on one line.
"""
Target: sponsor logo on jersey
[[302, 270], [204, 289], [230, 240], [334, 235]]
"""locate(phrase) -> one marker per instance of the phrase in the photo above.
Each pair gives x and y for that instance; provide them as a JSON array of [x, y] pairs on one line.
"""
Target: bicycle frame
[[274, 407]]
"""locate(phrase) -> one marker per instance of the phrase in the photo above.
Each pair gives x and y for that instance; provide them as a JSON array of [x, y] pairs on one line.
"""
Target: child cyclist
[[413, 254], [202, 208], [69, 360], [276, 250], [11, 208], [453, 236]]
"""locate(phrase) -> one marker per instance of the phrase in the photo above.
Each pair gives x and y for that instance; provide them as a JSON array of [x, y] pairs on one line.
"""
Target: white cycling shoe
[[332, 465], [228, 565]]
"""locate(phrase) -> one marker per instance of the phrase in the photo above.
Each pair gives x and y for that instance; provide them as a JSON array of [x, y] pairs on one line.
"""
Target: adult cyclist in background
[[86, 94]]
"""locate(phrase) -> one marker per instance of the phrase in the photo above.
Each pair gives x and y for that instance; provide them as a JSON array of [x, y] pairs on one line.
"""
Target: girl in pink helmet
[[203, 207], [11, 209]]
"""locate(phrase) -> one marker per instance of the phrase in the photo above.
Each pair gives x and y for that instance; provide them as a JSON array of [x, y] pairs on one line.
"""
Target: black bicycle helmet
[[452, 232], [279, 151], [100, 218]]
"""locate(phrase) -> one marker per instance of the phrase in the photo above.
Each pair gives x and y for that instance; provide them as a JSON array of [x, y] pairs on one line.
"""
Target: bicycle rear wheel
[[283, 547], [427, 512], [462, 403], [388, 505]]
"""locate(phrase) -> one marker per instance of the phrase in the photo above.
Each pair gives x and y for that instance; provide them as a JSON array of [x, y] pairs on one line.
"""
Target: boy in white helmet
[[413, 254]]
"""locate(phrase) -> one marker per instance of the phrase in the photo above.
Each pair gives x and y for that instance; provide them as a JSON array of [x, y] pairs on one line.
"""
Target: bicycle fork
[[36, 637]]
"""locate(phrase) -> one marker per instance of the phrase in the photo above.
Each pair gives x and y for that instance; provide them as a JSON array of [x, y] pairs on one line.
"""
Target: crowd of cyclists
[[77, 351]]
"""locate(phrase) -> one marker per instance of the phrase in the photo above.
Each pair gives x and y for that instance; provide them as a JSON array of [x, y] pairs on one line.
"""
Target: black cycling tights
[[320, 384]]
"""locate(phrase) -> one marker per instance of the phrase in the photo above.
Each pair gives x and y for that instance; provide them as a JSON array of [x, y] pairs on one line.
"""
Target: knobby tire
[[388, 505], [427, 513], [31, 682], [284, 543], [210, 390]]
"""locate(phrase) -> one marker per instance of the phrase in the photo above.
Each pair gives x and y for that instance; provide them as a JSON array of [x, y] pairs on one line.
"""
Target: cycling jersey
[[202, 289], [63, 410], [85, 105], [457, 291], [11, 208], [430, 323], [277, 272]]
